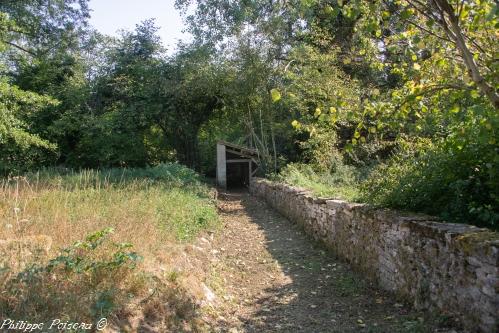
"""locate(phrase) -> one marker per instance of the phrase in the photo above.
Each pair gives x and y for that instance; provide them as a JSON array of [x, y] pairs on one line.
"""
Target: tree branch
[[429, 31], [19, 48], [433, 89], [454, 31]]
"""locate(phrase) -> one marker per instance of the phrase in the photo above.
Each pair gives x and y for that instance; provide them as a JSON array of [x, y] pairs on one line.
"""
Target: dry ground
[[267, 276]]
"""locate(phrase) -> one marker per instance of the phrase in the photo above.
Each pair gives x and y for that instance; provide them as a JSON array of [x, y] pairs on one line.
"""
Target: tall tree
[[44, 26]]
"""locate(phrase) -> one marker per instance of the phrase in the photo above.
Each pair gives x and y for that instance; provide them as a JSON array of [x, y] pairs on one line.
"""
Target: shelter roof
[[243, 151]]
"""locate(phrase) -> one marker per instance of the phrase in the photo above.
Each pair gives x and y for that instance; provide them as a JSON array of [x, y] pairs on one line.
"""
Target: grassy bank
[[86, 245], [342, 184]]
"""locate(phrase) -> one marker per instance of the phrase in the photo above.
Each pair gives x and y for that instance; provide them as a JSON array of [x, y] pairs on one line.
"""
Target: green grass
[[170, 198], [151, 211], [348, 284], [341, 184]]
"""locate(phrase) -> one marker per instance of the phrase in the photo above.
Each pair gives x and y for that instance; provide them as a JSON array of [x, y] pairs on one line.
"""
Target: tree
[[469, 26], [193, 91], [20, 149], [40, 42], [41, 27]]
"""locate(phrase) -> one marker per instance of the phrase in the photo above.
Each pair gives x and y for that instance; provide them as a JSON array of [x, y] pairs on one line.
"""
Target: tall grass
[[164, 202], [341, 183], [152, 209]]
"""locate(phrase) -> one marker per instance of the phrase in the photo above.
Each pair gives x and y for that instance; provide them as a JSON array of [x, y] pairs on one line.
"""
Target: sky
[[109, 16]]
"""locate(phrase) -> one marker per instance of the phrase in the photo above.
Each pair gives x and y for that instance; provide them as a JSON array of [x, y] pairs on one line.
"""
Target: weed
[[348, 285], [173, 276], [80, 283]]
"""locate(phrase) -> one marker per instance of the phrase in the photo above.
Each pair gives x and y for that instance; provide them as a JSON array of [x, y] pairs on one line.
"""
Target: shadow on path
[[292, 284]]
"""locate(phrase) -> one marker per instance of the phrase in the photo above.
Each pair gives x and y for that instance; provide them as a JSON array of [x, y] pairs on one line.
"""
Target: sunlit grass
[[341, 184], [155, 210], [67, 206]]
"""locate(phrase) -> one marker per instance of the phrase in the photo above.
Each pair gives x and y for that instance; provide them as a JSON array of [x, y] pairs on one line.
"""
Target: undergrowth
[[80, 283], [457, 182], [454, 181]]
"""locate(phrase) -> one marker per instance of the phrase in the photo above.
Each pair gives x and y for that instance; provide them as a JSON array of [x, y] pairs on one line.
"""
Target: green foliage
[[458, 183], [20, 149], [222, 126], [330, 84], [28, 32], [194, 91], [80, 258], [37, 25], [275, 95], [358, 78], [122, 102], [324, 101]]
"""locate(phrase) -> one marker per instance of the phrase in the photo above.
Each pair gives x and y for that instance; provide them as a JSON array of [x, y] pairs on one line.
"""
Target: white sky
[[109, 16]]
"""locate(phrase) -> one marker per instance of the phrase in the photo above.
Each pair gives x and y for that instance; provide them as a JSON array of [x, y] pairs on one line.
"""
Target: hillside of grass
[[84, 245]]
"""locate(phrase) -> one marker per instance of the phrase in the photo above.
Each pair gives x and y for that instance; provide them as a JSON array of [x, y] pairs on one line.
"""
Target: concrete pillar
[[250, 170], [221, 166]]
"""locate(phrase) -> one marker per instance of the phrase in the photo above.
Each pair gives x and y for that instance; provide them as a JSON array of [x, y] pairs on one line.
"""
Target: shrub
[[456, 179]]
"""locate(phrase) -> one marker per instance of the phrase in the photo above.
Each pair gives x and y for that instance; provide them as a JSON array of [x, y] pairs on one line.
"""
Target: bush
[[457, 179]]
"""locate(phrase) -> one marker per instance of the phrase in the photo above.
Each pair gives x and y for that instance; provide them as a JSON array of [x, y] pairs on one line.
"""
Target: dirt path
[[269, 277]]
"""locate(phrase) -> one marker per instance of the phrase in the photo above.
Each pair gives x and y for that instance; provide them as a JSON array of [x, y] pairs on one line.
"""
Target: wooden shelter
[[235, 164]]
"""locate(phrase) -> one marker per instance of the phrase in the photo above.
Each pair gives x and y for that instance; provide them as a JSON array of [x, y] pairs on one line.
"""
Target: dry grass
[[155, 210]]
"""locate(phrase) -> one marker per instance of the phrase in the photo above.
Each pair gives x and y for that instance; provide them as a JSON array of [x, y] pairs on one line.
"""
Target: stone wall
[[444, 266]]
